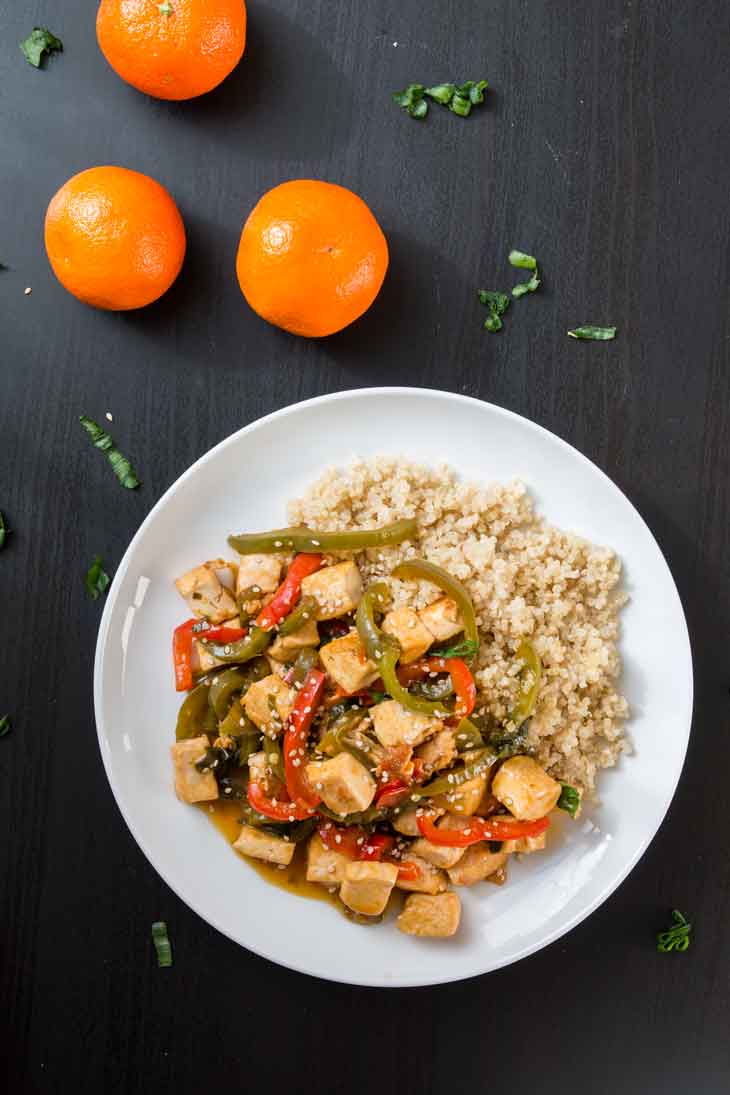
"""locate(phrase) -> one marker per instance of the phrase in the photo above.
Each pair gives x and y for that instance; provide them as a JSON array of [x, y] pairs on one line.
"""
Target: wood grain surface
[[604, 150]]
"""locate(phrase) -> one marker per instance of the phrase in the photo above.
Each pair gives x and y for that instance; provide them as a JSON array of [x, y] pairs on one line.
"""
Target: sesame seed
[[338, 838], [28, 291], [108, 416], [278, 543]]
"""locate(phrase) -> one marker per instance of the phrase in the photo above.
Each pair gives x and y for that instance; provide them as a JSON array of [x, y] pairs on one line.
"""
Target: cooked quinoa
[[526, 579]]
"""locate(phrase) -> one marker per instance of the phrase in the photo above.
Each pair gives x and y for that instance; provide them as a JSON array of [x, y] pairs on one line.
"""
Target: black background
[[604, 150]]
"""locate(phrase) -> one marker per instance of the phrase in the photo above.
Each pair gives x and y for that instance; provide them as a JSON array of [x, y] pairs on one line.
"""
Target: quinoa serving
[[398, 690]]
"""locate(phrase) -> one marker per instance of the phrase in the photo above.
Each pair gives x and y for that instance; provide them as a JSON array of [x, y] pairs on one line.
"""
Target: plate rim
[[123, 567]]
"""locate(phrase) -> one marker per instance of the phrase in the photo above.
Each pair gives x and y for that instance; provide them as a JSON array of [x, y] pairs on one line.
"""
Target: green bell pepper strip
[[196, 716], [364, 817], [274, 757], [229, 682], [445, 784], [301, 538], [452, 587], [338, 738], [385, 651], [468, 736], [307, 658], [525, 705], [298, 617], [243, 650]]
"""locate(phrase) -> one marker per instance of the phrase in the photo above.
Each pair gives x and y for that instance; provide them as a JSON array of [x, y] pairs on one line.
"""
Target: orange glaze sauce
[[226, 818]]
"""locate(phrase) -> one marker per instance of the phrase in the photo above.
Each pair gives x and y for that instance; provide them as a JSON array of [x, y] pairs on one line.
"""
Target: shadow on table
[[286, 100]]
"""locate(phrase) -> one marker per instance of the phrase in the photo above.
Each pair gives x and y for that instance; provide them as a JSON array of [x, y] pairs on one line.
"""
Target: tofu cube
[[435, 917], [525, 789], [442, 618], [437, 854], [324, 864], [406, 820], [336, 589], [366, 887], [465, 799], [261, 772], [190, 784], [525, 844], [205, 594], [394, 725], [268, 703], [347, 663], [430, 879], [258, 575], [261, 845], [412, 634], [344, 783], [439, 751], [286, 647], [476, 864]]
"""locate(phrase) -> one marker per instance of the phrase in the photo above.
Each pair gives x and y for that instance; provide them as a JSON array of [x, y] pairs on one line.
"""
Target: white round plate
[[244, 483]]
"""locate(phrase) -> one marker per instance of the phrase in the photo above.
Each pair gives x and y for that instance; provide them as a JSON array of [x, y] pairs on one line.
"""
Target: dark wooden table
[[604, 150]]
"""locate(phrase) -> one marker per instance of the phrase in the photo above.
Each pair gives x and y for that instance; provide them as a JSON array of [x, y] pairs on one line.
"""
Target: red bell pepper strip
[[393, 793], [182, 656], [300, 719], [288, 592], [276, 809], [218, 634], [462, 680], [355, 843], [493, 828]]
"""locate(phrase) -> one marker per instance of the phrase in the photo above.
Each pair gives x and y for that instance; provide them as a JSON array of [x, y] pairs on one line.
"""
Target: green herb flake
[[166, 9], [120, 465], [461, 106], [4, 531], [596, 334], [39, 43], [96, 580], [467, 648], [675, 938], [569, 799], [5, 726], [522, 261], [162, 944]]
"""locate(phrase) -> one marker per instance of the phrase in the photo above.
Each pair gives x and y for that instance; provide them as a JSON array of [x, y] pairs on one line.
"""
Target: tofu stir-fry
[[346, 726]]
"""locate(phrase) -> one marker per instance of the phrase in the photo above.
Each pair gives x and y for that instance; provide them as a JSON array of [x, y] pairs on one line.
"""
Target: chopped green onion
[[569, 799], [40, 42], [96, 580], [162, 943], [3, 530], [497, 303], [4, 726], [521, 260], [675, 938], [597, 334], [120, 465], [442, 93], [526, 287], [459, 98]]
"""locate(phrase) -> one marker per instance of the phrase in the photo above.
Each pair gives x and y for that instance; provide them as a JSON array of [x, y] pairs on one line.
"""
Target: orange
[[114, 238], [312, 257], [172, 49]]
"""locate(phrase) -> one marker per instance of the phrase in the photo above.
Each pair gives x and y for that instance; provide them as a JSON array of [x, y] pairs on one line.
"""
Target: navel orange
[[114, 238], [175, 49], [312, 257]]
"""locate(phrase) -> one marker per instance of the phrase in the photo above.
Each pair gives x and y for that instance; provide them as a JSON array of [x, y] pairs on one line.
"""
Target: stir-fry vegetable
[[196, 716], [232, 682], [243, 650], [445, 784], [288, 592], [493, 828], [301, 538], [295, 739], [182, 656], [297, 618], [452, 587], [277, 809], [525, 705]]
